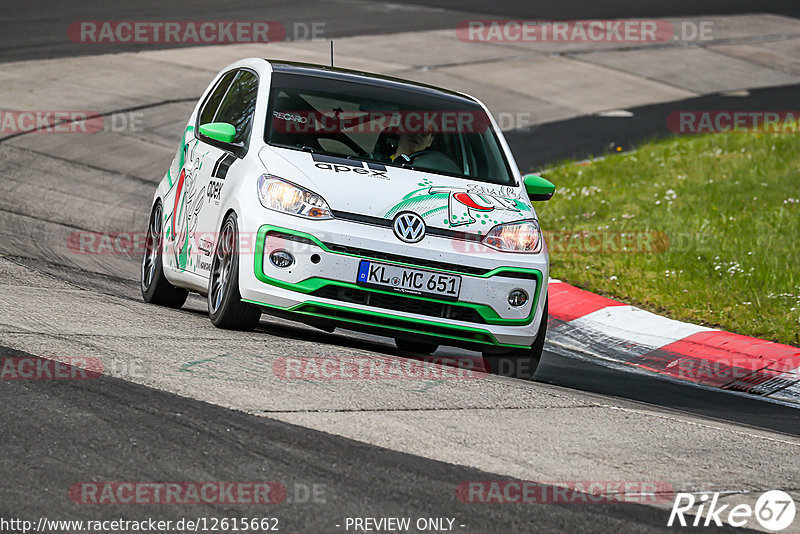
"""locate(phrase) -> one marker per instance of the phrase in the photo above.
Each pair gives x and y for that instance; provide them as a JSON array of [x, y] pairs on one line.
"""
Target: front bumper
[[320, 287]]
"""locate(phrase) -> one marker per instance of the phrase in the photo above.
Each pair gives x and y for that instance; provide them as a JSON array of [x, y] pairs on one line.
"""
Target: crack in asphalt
[[49, 221], [100, 115], [679, 44], [132, 177], [572, 54]]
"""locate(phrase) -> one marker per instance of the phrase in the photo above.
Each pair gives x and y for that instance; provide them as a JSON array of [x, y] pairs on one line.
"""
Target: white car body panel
[[203, 201]]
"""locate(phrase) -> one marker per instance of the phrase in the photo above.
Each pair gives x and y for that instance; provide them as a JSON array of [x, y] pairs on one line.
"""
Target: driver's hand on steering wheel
[[409, 145]]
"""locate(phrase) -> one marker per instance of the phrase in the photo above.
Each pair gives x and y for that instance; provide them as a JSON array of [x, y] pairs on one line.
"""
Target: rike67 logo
[[774, 511]]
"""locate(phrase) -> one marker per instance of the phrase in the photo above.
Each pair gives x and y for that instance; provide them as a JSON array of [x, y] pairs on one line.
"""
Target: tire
[[156, 289], [225, 306], [417, 347], [519, 363]]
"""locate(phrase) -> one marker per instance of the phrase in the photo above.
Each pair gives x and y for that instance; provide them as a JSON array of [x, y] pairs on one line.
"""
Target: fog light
[[281, 259], [517, 298]]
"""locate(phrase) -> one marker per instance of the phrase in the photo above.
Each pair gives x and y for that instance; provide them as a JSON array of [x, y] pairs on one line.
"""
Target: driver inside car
[[406, 148], [411, 145]]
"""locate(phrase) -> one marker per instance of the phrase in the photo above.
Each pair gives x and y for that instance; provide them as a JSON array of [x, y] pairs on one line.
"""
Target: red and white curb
[[604, 328]]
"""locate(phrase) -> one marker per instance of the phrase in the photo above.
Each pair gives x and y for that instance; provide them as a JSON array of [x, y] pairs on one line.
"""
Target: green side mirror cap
[[219, 131], [538, 188]]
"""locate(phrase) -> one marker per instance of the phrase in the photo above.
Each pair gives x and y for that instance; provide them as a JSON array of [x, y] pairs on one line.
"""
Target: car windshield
[[414, 128]]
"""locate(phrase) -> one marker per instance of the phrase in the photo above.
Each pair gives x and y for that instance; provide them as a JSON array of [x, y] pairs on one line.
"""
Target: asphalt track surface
[[585, 137], [56, 433], [574, 9], [37, 30], [166, 437]]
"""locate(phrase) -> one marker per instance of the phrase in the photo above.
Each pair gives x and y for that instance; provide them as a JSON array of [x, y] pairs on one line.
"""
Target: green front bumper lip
[[393, 322]]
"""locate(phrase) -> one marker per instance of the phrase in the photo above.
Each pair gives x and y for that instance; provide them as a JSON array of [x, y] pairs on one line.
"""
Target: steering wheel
[[430, 159]]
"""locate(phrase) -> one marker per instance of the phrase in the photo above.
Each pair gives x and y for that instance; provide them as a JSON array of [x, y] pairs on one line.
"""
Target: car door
[[182, 203], [213, 161]]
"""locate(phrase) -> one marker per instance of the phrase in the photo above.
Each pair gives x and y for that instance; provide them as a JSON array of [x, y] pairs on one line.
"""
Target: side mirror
[[218, 131], [538, 188]]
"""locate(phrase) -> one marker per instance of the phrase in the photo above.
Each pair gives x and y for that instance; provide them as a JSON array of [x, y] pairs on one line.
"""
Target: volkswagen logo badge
[[409, 227]]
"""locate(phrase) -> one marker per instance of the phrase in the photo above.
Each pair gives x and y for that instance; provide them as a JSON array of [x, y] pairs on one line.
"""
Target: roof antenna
[[331, 52]]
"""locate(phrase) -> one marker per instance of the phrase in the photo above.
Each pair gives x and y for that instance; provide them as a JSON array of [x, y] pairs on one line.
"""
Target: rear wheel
[[156, 289], [417, 347], [225, 306], [519, 363]]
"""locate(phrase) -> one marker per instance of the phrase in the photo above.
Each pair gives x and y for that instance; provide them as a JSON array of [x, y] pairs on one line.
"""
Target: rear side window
[[212, 103], [239, 104]]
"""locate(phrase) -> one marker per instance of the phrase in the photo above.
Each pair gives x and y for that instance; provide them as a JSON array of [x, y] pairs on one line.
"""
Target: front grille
[[454, 267], [455, 312]]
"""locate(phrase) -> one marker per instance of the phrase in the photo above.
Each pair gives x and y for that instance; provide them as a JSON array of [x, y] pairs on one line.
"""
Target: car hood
[[373, 190]]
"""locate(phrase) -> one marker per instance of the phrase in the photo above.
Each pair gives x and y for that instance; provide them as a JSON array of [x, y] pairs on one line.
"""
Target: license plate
[[409, 281]]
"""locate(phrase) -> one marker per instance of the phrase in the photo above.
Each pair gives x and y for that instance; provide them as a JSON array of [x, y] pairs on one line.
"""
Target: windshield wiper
[[361, 158]]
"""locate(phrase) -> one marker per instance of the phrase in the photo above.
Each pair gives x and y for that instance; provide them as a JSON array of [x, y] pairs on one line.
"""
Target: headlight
[[279, 195], [522, 236]]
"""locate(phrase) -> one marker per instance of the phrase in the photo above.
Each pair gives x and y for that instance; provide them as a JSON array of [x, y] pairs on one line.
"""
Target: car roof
[[337, 73]]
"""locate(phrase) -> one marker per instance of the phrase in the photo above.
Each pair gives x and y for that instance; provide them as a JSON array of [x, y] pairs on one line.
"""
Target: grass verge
[[703, 229]]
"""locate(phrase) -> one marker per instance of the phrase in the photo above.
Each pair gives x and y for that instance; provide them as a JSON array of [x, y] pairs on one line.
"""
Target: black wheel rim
[[152, 248], [222, 267]]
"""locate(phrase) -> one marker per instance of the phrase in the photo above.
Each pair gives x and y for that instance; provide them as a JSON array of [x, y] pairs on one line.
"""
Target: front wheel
[[155, 287], [225, 306], [519, 363]]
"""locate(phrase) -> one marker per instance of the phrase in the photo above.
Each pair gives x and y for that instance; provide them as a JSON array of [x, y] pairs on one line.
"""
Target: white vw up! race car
[[344, 199]]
